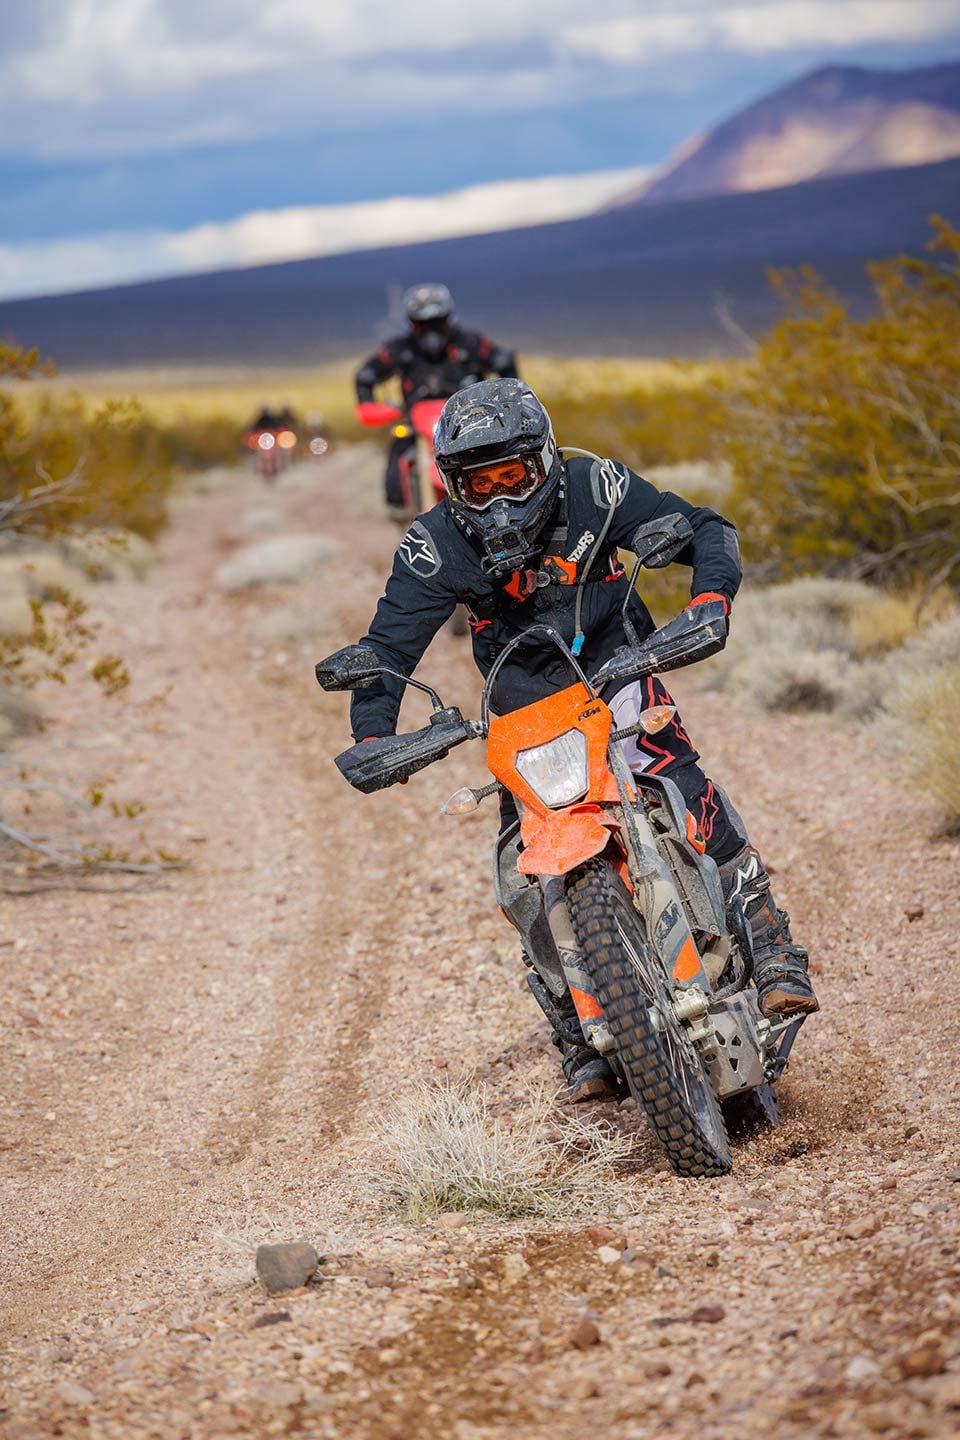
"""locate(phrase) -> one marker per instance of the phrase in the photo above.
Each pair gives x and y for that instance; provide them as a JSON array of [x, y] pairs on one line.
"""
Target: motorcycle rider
[[265, 420], [526, 535], [434, 359]]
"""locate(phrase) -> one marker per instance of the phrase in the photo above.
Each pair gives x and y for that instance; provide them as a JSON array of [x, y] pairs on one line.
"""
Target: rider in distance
[[434, 359]]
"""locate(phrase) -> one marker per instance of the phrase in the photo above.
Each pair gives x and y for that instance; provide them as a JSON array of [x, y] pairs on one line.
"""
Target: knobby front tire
[[658, 1060]]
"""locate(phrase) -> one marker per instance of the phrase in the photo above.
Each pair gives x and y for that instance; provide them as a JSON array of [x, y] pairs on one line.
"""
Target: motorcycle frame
[[675, 887]]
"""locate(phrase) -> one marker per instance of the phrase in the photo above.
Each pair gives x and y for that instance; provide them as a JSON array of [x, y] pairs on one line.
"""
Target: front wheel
[[656, 1055]]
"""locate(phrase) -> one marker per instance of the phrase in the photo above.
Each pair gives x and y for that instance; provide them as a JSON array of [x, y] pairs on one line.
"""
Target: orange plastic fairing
[[558, 841], [570, 709]]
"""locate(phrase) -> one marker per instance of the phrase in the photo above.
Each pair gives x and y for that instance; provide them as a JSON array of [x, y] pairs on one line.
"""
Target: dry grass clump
[[924, 726], [781, 679], [830, 645], [882, 624], [441, 1148]]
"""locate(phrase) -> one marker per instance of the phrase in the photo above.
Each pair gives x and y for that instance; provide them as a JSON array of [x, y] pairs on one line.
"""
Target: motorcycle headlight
[[266, 441], [556, 772]]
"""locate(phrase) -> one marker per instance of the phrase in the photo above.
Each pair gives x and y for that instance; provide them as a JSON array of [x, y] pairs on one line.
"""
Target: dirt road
[[190, 1066]]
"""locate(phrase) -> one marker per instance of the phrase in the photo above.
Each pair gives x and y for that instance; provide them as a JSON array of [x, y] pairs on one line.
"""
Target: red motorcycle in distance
[[420, 480]]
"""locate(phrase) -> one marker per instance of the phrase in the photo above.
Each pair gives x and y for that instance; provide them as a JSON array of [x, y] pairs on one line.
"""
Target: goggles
[[513, 479]]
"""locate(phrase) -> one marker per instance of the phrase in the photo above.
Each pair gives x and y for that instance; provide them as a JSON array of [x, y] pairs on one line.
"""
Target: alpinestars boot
[[780, 966]]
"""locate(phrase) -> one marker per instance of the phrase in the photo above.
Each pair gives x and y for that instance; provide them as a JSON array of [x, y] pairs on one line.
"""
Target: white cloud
[[104, 48], [94, 78], [763, 27], [295, 233]]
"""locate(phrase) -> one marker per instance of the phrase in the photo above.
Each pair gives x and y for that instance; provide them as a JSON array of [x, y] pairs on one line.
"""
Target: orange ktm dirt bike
[[607, 881]]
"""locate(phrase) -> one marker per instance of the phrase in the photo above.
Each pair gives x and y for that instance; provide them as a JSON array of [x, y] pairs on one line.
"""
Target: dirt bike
[[272, 450], [606, 879], [420, 481]]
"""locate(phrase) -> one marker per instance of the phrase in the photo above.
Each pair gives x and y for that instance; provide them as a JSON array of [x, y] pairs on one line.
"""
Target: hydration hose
[[608, 472]]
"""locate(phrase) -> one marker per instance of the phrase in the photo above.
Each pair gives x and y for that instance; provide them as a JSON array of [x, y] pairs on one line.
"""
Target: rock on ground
[[284, 560], [286, 1266]]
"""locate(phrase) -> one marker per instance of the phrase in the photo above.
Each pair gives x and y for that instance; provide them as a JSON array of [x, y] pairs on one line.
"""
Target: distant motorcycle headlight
[[556, 772], [266, 441]]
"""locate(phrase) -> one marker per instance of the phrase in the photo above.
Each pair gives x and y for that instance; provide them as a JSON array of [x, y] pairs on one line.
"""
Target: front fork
[[595, 1029]]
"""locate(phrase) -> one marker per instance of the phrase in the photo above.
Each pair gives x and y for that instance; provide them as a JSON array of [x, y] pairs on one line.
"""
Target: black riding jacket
[[469, 357], [437, 566]]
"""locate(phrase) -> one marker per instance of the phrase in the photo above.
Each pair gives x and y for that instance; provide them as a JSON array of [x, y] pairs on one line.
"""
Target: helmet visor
[[512, 479]]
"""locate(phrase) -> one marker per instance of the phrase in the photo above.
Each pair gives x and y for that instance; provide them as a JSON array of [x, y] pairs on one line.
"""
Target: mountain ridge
[[837, 119]]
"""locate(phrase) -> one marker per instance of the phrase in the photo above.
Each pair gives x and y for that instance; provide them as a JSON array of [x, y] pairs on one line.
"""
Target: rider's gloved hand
[[705, 597], [373, 412], [379, 737]]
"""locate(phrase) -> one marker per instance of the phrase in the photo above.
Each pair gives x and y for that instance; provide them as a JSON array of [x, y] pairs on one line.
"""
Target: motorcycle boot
[[588, 1075], [780, 965]]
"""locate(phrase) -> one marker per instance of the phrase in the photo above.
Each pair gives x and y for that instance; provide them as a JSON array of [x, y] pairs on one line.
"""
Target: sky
[[147, 137]]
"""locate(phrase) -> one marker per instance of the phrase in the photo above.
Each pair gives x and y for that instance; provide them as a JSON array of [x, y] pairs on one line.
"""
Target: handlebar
[[693, 635]]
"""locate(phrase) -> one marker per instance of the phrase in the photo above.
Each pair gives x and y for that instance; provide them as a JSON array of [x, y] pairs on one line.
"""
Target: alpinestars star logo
[[609, 483], [745, 874], [418, 551]]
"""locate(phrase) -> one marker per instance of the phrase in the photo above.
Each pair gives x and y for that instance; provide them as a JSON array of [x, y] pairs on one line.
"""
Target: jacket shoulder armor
[[419, 550], [607, 483]]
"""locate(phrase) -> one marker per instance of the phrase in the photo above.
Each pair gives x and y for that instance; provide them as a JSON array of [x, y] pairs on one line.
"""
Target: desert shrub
[[783, 679], [844, 434], [107, 467], [441, 1148], [923, 728], [667, 414], [64, 473], [821, 644]]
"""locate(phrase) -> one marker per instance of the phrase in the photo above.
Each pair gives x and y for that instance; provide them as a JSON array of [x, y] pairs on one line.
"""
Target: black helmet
[[495, 449], [424, 303]]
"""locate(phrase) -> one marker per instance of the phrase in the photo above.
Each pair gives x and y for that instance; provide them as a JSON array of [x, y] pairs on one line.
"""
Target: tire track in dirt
[[329, 950]]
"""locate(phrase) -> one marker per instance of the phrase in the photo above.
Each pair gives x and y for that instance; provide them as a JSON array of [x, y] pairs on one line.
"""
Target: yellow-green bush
[[648, 415], [845, 434], [116, 465]]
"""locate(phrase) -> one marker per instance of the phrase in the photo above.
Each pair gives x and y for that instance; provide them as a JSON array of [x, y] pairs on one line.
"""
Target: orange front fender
[[556, 843]]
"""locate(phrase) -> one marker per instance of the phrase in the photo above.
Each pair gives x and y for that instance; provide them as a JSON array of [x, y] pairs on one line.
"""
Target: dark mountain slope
[[633, 281]]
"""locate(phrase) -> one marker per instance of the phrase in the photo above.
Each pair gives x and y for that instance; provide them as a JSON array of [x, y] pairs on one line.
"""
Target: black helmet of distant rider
[[429, 309], [495, 448]]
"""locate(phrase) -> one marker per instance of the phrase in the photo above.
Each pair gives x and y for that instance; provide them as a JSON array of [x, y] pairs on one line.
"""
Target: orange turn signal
[[656, 718]]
